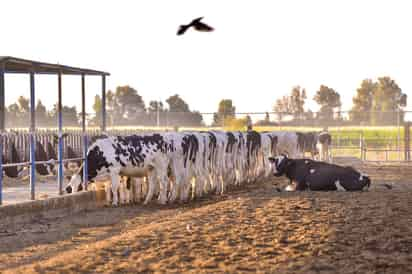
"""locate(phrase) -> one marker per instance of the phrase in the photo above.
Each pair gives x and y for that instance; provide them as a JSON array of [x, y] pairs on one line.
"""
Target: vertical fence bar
[[1, 168], [84, 133], [2, 99], [60, 134], [103, 103], [2, 126], [399, 132], [32, 138]]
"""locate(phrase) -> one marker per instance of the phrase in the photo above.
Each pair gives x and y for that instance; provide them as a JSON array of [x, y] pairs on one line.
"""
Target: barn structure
[[10, 64]]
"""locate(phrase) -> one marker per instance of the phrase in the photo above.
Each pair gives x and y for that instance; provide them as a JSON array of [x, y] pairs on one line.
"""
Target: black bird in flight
[[196, 24]]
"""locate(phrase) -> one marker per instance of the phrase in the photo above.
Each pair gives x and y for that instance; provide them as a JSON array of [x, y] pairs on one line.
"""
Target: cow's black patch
[[253, 144], [231, 141], [95, 162], [41, 155], [12, 158], [190, 147]]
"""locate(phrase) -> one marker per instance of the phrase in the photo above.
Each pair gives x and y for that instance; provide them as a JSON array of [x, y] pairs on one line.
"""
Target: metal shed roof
[[18, 65]]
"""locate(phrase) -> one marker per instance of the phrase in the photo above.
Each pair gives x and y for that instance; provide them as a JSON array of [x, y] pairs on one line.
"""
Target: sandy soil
[[253, 229]]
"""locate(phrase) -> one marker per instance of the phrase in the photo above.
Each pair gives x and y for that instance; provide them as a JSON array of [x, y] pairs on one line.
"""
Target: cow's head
[[75, 184], [364, 179], [279, 164], [96, 165]]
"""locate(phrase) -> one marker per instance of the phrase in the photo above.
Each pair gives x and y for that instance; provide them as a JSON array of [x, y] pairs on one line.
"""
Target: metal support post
[[60, 175], [32, 138], [103, 126], [85, 175]]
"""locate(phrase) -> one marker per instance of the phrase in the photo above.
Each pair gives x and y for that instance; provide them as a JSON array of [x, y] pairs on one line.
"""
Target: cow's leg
[[115, 177], [108, 190], [185, 190], [122, 191], [129, 190], [163, 182], [151, 185], [138, 191]]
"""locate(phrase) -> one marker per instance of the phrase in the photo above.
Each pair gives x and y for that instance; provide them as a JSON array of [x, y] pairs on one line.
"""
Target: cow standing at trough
[[12, 158], [132, 156], [318, 176]]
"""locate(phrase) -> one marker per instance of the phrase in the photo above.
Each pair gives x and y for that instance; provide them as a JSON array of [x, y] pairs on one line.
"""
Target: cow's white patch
[[362, 176], [306, 162], [312, 171], [277, 162], [74, 183], [339, 186], [280, 159], [290, 188]]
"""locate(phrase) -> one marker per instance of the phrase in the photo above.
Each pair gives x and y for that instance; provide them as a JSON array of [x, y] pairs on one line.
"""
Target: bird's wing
[[182, 29], [199, 26], [197, 20]]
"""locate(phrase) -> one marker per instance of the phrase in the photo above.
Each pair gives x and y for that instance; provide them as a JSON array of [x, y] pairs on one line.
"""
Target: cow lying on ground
[[318, 176]]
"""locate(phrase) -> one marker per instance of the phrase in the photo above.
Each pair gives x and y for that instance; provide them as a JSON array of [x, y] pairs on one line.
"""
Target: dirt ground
[[253, 229]]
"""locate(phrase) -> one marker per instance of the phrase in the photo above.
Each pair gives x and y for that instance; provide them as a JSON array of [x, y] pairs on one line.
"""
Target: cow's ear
[[272, 159]]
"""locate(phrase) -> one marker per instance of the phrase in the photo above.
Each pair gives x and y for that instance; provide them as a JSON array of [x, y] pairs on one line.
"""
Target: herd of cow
[[45, 153], [173, 166], [185, 165]]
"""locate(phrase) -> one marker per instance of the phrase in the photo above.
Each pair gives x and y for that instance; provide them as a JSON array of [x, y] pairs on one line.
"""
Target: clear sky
[[259, 51]]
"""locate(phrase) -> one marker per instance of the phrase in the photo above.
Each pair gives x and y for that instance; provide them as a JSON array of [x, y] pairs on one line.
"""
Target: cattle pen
[[251, 227], [14, 65]]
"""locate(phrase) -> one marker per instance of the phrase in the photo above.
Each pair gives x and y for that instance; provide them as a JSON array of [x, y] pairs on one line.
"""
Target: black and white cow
[[12, 157], [318, 176], [307, 143], [323, 144], [131, 156], [41, 155], [253, 146]]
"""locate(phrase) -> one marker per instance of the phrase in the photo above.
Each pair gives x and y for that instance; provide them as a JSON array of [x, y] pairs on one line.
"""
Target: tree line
[[376, 102], [379, 102], [124, 107]]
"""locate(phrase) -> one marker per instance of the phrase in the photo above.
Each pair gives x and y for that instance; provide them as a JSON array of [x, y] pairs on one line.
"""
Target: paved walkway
[[20, 192]]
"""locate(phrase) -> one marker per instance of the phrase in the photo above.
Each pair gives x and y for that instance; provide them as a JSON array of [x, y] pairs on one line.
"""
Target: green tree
[[387, 102], [13, 115], [128, 102], [69, 115], [329, 100], [24, 104], [226, 110], [97, 107], [297, 101], [177, 104], [154, 106], [362, 102], [42, 116], [282, 107]]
